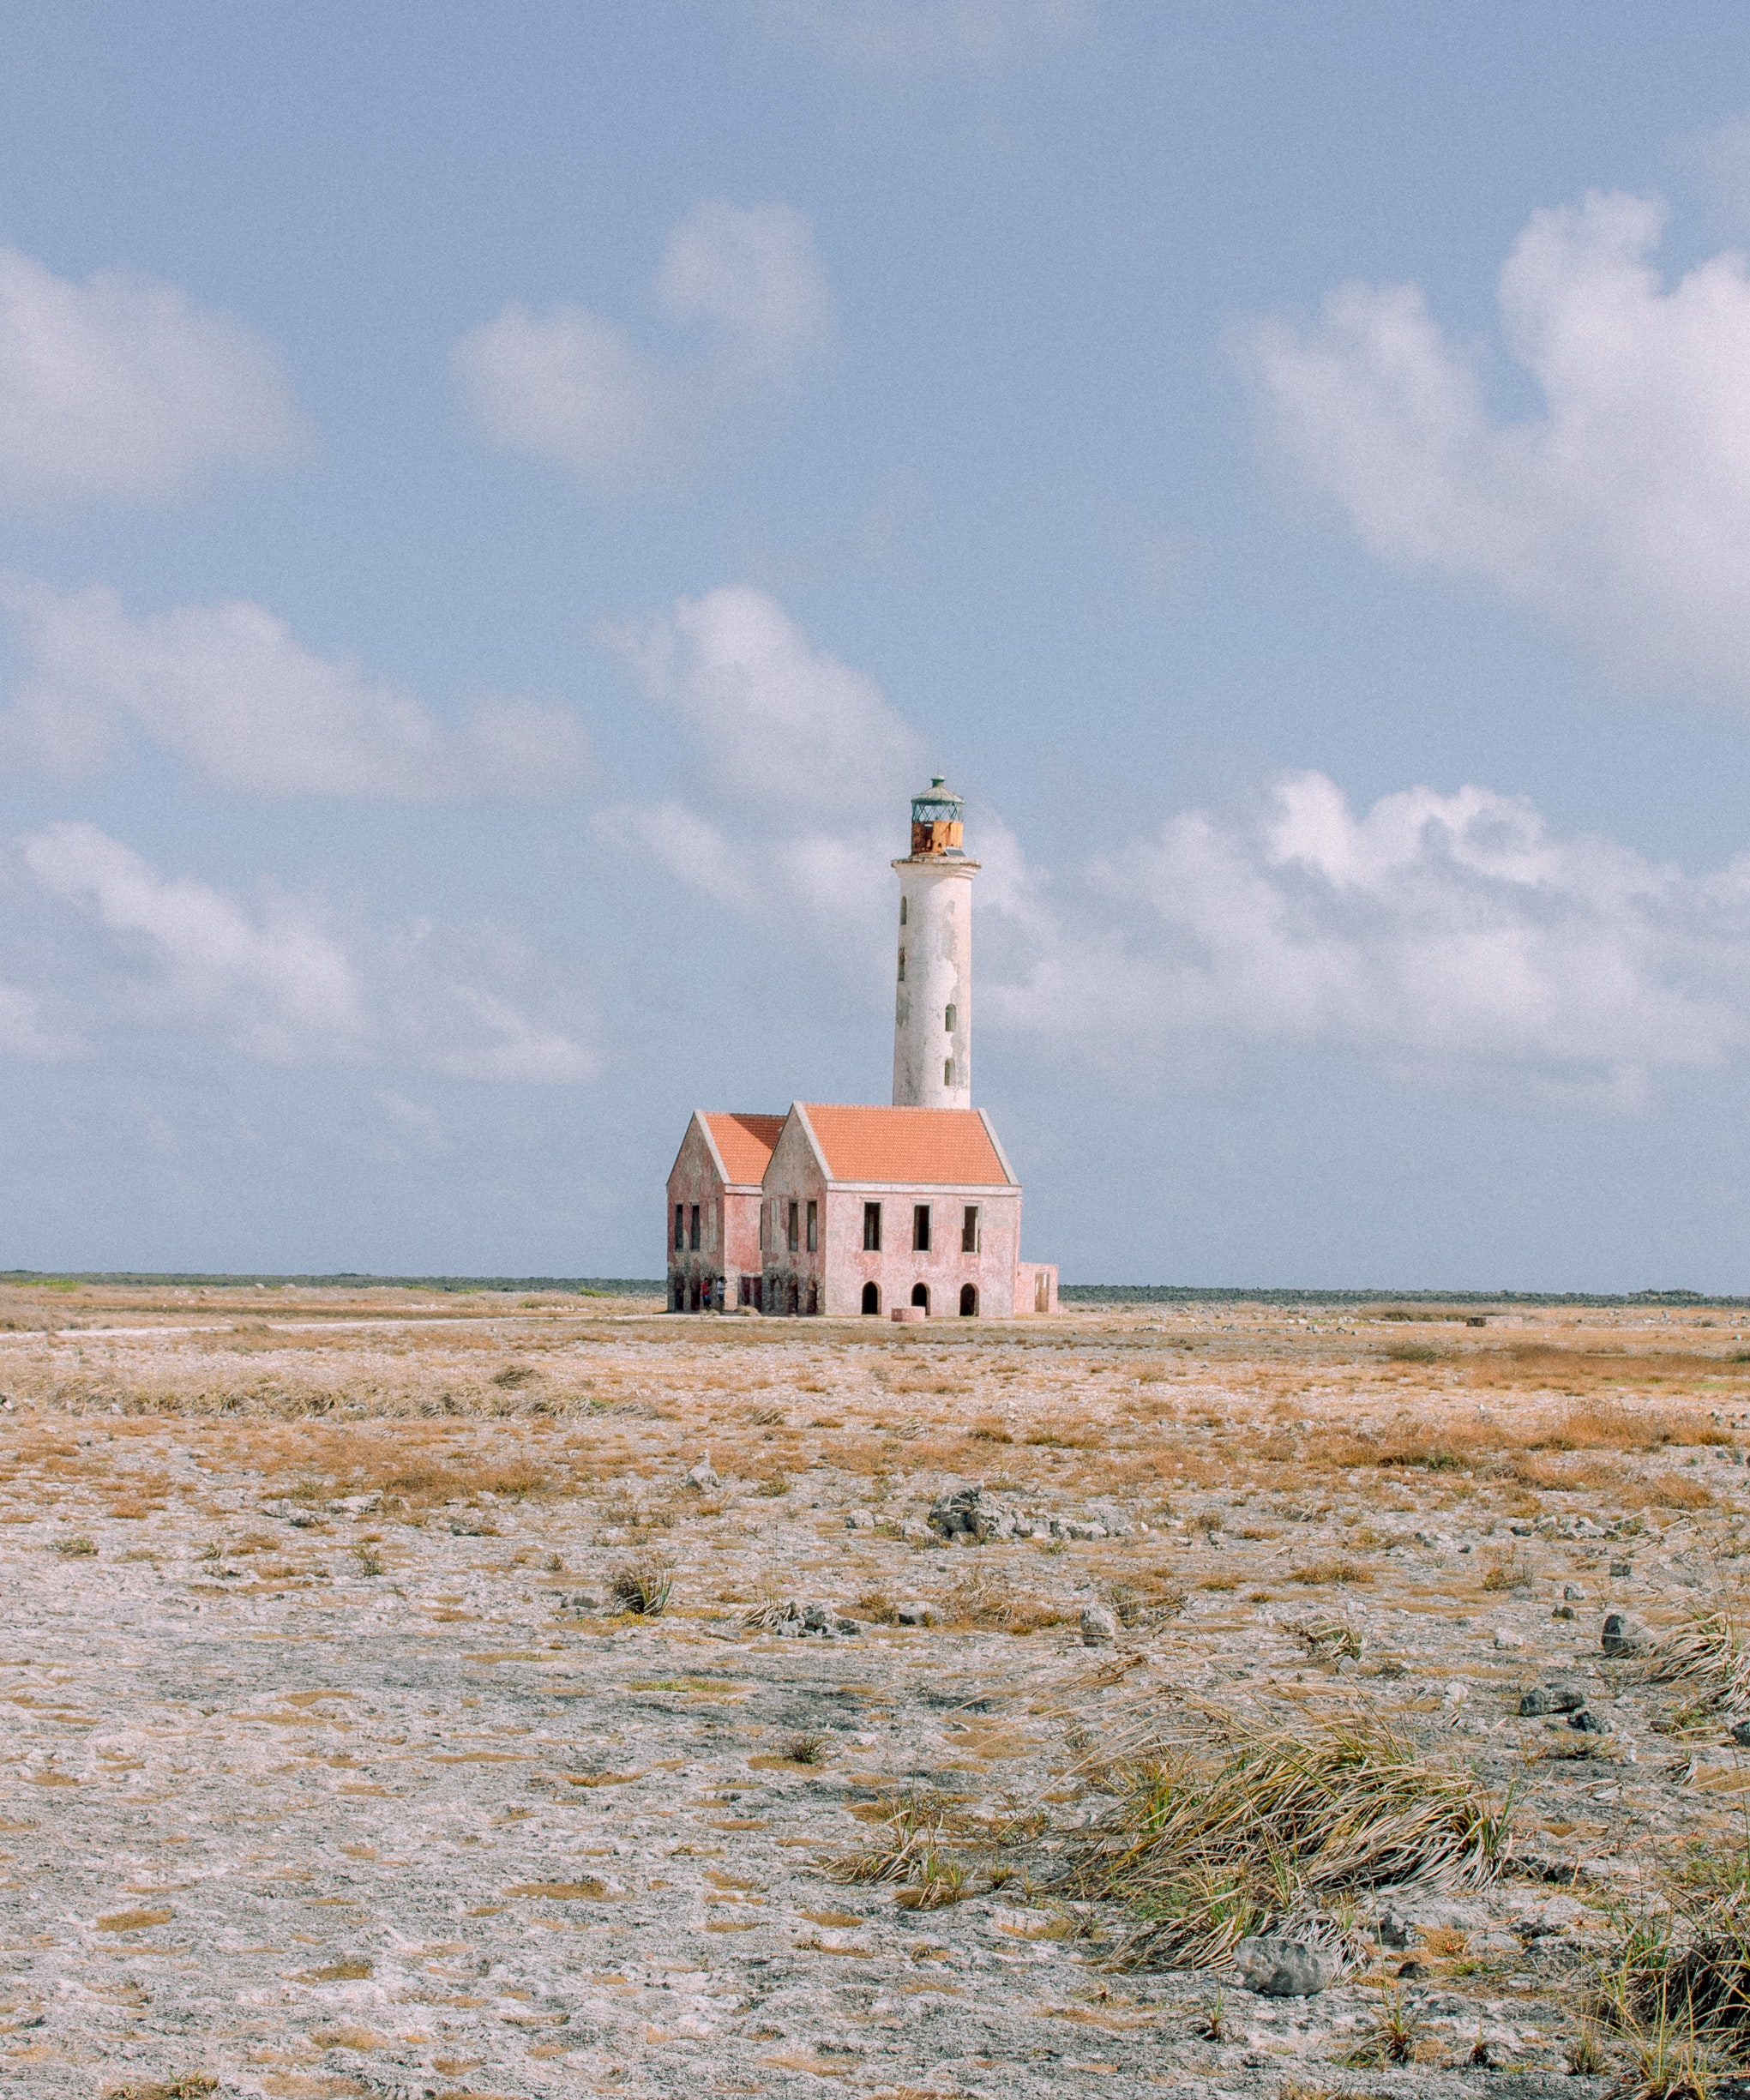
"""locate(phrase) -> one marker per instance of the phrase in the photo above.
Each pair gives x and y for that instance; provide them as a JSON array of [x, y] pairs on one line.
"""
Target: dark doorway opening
[[969, 1301], [920, 1295], [871, 1298]]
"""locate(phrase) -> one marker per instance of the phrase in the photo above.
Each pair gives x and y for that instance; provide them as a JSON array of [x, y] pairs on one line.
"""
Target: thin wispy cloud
[[746, 299], [275, 978], [231, 691], [122, 389], [1620, 513]]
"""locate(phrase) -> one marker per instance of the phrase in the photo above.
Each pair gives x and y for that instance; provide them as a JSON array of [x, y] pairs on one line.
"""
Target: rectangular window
[[813, 1226], [902, 965], [680, 1227], [920, 1228], [763, 1228], [969, 1230], [947, 1072], [902, 911], [793, 1223], [871, 1228], [949, 1019], [693, 1230]]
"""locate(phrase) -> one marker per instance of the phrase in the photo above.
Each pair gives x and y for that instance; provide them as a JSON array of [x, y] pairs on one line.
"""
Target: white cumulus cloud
[[275, 978], [119, 388], [230, 690], [1619, 512], [569, 386], [799, 769], [1448, 937], [975, 37]]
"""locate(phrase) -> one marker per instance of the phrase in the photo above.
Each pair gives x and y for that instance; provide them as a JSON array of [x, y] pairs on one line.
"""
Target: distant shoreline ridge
[[1080, 1294]]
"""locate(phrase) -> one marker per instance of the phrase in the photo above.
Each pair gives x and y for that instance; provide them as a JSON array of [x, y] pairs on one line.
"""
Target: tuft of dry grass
[[988, 1597], [1318, 1573], [643, 1585], [1709, 1650], [1509, 1570], [1245, 1828]]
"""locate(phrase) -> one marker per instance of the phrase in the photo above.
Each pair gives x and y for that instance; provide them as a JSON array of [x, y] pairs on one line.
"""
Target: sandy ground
[[331, 1765]]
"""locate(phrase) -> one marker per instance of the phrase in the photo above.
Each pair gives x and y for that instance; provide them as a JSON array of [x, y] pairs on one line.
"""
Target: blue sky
[[499, 507]]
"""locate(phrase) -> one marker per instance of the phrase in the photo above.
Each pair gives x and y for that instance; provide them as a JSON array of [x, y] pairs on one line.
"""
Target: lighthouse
[[842, 1210], [933, 1003]]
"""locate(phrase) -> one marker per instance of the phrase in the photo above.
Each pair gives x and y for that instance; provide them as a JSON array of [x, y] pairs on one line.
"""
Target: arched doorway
[[694, 1293], [969, 1301], [871, 1297], [814, 1295], [678, 1296], [920, 1295], [795, 1297]]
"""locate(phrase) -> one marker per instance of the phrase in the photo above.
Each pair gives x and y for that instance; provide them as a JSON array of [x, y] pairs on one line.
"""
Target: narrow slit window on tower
[[948, 1019], [902, 911], [969, 1230], [813, 1226], [693, 1230], [902, 965], [947, 1072], [920, 1228], [680, 1227], [793, 1225], [871, 1228]]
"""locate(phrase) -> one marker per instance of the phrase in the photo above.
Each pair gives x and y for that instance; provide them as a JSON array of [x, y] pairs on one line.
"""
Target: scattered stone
[[1741, 1731], [577, 1600], [1620, 1569], [1395, 1930], [1562, 1611], [1283, 1968], [859, 1521], [1586, 1721], [913, 1615], [965, 1513], [1574, 1593], [700, 1476], [1504, 1638], [1098, 1625], [1555, 1695], [1622, 1635]]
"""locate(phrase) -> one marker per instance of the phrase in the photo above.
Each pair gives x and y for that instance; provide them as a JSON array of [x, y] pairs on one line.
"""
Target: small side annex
[[714, 1210], [868, 1210]]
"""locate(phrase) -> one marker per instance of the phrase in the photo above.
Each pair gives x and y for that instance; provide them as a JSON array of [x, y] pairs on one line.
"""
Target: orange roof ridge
[[950, 1147], [744, 1140]]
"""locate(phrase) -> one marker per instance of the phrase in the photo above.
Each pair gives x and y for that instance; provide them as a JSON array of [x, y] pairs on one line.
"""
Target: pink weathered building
[[912, 1211]]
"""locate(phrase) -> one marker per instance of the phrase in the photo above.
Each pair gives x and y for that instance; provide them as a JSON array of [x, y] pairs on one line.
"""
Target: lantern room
[[935, 824]]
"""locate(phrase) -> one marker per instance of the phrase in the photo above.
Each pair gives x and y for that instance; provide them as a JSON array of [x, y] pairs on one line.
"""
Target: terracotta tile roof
[[745, 1142], [946, 1147]]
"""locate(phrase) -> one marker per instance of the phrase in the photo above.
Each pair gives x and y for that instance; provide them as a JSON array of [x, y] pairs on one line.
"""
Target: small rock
[[912, 1615], [1572, 1592], [859, 1521], [1556, 1696], [1587, 1722], [1506, 1639], [964, 1513], [700, 1476], [1098, 1625], [1395, 1930], [1278, 1968], [577, 1600], [1741, 1731], [1619, 1569], [847, 1626], [818, 1618], [1621, 1635], [1562, 1611]]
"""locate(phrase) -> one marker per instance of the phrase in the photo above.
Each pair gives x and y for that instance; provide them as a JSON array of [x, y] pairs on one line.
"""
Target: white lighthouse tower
[[933, 1013]]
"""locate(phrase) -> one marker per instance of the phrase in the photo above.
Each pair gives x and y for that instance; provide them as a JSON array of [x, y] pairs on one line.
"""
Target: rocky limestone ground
[[335, 1764]]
